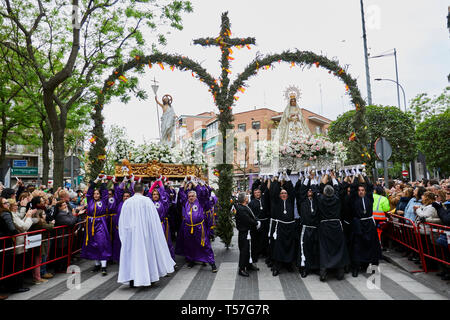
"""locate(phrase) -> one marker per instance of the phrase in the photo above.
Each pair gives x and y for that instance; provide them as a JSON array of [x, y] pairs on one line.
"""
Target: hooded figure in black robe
[[365, 244], [283, 227], [333, 251], [346, 213], [308, 258], [260, 238]]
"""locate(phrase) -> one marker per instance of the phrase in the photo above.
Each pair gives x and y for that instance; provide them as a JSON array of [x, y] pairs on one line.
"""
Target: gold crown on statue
[[292, 92]]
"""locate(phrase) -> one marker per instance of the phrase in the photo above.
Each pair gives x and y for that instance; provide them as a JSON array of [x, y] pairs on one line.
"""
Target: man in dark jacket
[[260, 237], [245, 223]]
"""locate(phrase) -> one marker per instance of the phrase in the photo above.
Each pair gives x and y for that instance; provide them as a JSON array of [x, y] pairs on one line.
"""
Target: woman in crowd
[[415, 201], [426, 212], [7, 228], [40, 254], [405, 197]]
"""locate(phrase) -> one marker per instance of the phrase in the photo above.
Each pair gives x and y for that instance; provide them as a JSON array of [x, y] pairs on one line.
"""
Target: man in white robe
[[144, 255]]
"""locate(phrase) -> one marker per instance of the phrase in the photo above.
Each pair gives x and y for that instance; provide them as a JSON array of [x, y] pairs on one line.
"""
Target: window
[[318, 130], [256, 125], [241, 127]]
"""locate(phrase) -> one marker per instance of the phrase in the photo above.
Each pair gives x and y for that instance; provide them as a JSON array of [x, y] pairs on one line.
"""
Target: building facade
[[249, 129]]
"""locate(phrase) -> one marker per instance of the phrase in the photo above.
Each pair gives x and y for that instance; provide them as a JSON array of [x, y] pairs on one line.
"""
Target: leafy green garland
[[224, 96]]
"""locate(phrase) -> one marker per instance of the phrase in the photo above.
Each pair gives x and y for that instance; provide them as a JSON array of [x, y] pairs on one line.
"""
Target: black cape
[[308, 255], [260, 238], [284, 235], [333, 251], [365, 245]]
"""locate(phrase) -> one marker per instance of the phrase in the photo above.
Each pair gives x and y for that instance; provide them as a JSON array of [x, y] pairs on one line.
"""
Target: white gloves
[[258, 225]]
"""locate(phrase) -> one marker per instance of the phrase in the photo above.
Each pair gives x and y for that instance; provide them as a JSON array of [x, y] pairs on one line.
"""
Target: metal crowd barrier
[[433, 238], [17, 253], [426, 239]]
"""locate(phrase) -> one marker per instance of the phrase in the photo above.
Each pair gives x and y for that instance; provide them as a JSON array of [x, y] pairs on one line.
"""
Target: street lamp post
[[155, 89], [394, 53], [404, 101], [398, 96], [366, 56]]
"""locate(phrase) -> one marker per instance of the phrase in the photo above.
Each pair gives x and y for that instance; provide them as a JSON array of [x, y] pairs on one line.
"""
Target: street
[[199, 283]]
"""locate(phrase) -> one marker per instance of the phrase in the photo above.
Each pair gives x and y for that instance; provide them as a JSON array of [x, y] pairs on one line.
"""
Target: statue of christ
[[168, 120]]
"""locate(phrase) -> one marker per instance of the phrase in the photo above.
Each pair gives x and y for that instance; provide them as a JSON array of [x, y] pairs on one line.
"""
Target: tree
[[115, 135], [69, 57], [389, 122], [424, 107], [433, 140], [17, 113]]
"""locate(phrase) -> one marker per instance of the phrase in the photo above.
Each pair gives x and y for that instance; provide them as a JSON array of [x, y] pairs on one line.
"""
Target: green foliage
[[423, 107], [68, 60], [389, 122], [224, 97], [433, 137]]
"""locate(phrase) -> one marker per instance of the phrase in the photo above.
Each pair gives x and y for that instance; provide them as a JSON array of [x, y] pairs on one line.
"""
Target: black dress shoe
[[96, 269], [355, 273], [340, 274], [104, 272], [275, 272], [303, 272], [323, 275], [243, 273], [191, 264], [132, 284], [213, 268], [252, 267], [20, 290]]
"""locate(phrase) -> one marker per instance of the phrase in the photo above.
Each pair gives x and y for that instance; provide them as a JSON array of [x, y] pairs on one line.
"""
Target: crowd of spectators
[[26, 209], [423, 201]]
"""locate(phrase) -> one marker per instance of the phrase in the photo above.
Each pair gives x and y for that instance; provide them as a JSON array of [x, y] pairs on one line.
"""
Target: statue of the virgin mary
[[292, 123]]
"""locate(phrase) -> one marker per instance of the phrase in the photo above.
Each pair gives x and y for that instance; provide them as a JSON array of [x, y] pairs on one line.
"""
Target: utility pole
[[366, 57], [396, 77]]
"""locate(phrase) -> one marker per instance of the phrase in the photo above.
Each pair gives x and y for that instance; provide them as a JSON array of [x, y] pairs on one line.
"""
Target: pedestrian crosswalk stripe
[[319, 290], [269, 286], [224, 282], [370, 293], [86, 286], [418, 289], [178, 284]]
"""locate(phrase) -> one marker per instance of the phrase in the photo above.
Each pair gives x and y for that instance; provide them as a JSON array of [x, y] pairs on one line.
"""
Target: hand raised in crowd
[[30, 213], [360, 178], [332, 175], [324, 179]]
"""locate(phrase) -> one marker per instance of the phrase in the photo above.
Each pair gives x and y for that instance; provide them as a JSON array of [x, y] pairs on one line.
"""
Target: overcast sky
[[417, 29]]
